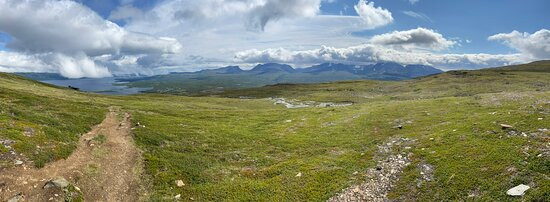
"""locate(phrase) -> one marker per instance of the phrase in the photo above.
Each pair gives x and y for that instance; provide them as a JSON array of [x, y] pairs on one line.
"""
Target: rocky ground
[[392, 157]]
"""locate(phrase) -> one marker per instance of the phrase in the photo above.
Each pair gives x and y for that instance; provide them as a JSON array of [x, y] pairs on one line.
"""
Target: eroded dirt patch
[[106, 166]]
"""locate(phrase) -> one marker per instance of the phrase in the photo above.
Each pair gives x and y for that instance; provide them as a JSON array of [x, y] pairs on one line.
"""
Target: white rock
[[299, 175], [18, 162], [177, 196], [517, 190], [180, 183]]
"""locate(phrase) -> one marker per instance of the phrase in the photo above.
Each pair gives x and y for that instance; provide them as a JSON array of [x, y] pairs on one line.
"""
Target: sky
[[101, 38]]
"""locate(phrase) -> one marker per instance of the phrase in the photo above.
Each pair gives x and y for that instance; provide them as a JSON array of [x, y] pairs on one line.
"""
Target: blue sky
[[159, 36]]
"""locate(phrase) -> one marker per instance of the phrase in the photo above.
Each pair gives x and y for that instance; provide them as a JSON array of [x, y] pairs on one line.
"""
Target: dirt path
[[105, 166]]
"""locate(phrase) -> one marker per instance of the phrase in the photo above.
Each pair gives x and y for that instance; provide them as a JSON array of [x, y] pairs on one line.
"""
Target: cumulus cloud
[[125, 13], [74, 66], [372, 16], [419, 38], [536, 45], [252, 14], [69, 29], [276, 9], [369, 53], [18, 62]]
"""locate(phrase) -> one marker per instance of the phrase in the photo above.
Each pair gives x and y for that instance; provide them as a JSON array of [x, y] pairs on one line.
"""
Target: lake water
[[103, 85]]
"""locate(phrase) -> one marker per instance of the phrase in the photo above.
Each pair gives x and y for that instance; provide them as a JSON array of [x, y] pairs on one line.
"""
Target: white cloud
[[275, 9], [69, 29], [254, 14], [369, 53], [373, 16], [413, 1], [18, 62], [78, 66], [419, 38], [536, 45], [125, 13], [74, 66], [418, 15]]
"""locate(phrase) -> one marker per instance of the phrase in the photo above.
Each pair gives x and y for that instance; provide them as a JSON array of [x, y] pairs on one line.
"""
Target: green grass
[[227, 149]]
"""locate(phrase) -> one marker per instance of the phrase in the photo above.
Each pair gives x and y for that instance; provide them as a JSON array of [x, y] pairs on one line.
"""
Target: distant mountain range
[[232, 77], [378, 71]]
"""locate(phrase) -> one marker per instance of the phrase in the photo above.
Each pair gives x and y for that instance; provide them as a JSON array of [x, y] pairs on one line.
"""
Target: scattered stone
[[18, 162], [518, 190], [299, 175], [506, 126], [398, 127], [288, 121], [16, 198], [59, 182], [512, 133], [426, 171], [293, 104], [180, 183], [29, 132], [540, 119], [177, 196]]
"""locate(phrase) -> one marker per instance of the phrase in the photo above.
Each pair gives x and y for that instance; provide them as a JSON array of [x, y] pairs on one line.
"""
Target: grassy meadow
[[229, 149]]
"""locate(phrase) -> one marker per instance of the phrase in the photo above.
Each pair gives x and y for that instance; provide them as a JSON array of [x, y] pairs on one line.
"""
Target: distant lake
[[103, 85]]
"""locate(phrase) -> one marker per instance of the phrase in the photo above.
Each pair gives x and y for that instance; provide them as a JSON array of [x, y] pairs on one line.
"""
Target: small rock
[[177, 196], [59, 182], [180, 183], [506, 126], [288, 121], [18, 162], [518, 190], [16, 198], [355, 173], [299, 175], [432, 139], [398, 127], [76, 188]]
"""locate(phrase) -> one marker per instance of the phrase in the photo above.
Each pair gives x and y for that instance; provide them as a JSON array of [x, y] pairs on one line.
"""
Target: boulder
[[518, 190], [58, 182]]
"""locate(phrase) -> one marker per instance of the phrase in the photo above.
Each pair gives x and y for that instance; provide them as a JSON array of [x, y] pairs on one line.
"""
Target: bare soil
[[106, 166]]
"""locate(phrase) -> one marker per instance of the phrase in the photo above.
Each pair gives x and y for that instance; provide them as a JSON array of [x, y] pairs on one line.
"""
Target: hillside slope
[[446, 129]]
